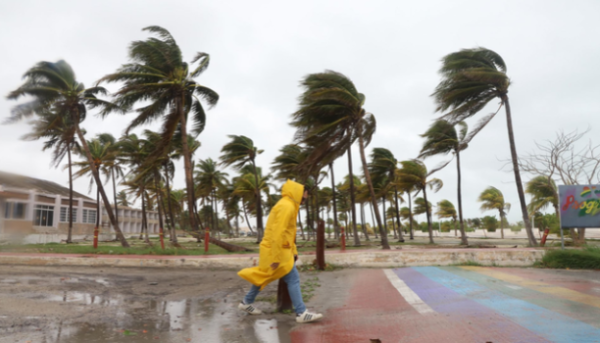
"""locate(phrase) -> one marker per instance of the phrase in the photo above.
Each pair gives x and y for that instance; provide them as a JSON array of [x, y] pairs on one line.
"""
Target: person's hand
[[274, 265]]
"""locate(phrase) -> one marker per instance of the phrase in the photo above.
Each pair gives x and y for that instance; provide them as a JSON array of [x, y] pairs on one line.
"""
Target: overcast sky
[[261, 49]]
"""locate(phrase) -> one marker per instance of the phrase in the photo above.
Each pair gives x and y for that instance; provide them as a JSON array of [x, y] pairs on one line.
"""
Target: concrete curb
[[354, 259]]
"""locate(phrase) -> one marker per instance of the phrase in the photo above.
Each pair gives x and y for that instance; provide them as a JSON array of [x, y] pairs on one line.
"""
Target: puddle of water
[[214, 319], [34, 280]]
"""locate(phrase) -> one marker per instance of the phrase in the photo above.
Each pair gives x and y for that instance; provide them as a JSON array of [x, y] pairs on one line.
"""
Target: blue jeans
[[293, 283]]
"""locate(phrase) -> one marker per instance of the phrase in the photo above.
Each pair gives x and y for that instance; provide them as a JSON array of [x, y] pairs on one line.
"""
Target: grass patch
[[329, 267], [308, 288], [270, 299], [586, 258], [468, 264]]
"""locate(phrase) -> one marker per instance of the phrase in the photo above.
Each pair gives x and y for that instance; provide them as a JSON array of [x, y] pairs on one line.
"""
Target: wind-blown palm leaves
[[331, 117], [59, 135], [471, 78], [493, 199], [413, 174], [53, 87], [239, 153], [445, 209], [208, 180], [159, 75], [440, 139], [543, 192], [384, 165]]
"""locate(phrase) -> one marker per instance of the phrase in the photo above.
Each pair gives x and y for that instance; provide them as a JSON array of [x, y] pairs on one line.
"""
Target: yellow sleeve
[[280, 235], [294, 249]]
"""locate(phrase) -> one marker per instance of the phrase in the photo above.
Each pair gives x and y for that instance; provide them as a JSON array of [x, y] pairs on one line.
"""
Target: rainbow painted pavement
[[464, 304]]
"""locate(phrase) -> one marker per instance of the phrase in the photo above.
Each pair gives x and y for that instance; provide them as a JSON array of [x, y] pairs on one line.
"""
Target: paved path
[[464, 304]]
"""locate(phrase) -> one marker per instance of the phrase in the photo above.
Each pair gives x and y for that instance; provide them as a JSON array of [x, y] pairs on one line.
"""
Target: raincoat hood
[[293, 190]]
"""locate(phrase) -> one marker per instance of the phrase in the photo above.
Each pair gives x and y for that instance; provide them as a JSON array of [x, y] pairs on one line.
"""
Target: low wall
[[360, 259]]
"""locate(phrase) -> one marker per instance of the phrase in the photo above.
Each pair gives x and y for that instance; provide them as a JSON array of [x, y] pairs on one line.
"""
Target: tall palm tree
[[59, 135], [440, 139], [241, 152], [445, 209], [471, 78], [422, 206], [383, 163], [414, 174], [351, 185], [123, 199], [209, 179], [158, 76], [53, 87], [331, 117], [112, 169], [492, 199]]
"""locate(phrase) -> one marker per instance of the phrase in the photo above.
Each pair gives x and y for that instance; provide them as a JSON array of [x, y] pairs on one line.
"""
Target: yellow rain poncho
[[278, 244]]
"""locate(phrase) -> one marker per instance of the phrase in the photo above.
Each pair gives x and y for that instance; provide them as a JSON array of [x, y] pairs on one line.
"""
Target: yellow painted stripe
[[539, 286]]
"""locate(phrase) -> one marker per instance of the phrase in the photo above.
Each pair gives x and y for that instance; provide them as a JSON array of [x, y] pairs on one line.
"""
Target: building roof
[[39, 186]]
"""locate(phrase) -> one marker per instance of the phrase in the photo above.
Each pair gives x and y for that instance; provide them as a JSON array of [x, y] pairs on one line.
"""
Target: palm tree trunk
[[515, 160], [301, 226], [385, 219], [401, 240], [187, 162], [115, 194], [109, 210], [410, 215], [362, 221], [501, 225], [336, 227], [352, 197], [171, 217], [308, 221], [463, 235], [384, 239], [373, 220], [427, 215], [246, 216], [160, 203], [259, 219], [97, 208], [70, 231]]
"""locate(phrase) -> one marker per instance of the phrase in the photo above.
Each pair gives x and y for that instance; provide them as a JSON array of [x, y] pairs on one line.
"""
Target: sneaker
[[307, 317], [249, 308]]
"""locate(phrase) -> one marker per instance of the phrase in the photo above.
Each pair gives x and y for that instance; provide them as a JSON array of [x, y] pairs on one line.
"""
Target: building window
[[64, 216], [89, 216], [44, 215], [15, 210]]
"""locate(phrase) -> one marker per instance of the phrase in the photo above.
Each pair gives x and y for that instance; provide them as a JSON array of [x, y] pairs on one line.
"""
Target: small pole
[[546, 232], [206, 239], [321, 245], [343, 241], [562, 239], [96, 237]]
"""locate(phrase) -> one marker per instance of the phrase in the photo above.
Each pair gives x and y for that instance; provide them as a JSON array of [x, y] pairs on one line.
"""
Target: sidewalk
[[407, 257]]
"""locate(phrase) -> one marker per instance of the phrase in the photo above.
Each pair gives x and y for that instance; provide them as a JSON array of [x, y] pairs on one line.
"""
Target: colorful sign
[[579, 206]]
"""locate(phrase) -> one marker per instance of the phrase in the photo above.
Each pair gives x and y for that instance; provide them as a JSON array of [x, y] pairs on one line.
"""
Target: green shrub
[[587, 258]]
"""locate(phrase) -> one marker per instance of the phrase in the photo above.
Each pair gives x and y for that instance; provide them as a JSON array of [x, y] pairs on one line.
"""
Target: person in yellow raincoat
[[278, 254]]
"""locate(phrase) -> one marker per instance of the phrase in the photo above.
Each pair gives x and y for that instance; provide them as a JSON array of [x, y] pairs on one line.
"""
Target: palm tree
[[54, 88], [441, 139], [471, 78], [112, 168], [59, 135], [543, 193], [331, 117], [123, 199], [492, 199], [158, 75], [413, 174], [383, 163], [241, 152], [208, 180], [445, 209]]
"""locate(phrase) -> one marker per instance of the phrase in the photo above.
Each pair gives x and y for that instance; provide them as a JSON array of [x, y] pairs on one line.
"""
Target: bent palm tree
[[383, 163], [413, 174], [543, 194], [239, 153], [54, 88], [492, 199], [331, 117], [471, 78], [159, 75], [445, 209]]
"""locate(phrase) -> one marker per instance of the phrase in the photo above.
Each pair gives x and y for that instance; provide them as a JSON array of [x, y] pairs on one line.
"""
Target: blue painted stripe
[[488, 324], [551, 325]]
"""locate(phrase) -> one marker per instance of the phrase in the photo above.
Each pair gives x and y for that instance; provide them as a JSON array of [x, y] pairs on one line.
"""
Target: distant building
[[31, 206]]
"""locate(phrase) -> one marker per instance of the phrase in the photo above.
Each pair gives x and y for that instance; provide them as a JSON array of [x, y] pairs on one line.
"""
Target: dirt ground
[[76, 304]]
